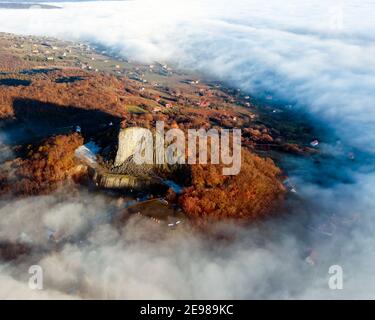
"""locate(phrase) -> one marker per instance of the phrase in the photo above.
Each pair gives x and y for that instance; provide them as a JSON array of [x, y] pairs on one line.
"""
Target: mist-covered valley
[[312, 61]]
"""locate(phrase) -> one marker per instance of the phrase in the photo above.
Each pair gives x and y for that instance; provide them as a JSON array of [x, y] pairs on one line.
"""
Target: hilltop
[[49, 87]]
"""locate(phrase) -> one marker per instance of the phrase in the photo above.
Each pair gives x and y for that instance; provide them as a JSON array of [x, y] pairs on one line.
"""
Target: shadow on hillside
[[40, 119], [38, 71], [14, 82], [70, 79]]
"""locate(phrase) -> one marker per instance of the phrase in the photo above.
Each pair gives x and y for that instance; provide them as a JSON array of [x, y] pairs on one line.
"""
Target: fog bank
[[315, 55]]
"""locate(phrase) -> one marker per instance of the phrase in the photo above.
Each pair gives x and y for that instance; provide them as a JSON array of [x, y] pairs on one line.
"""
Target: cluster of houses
[[48, 51], [163, 107]]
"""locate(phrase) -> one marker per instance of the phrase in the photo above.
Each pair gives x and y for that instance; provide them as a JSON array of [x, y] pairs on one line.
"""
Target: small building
[[314, 143], [204, 104]]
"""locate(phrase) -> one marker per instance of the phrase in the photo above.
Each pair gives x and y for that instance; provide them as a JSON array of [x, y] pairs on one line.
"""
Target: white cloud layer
[[319, 55]]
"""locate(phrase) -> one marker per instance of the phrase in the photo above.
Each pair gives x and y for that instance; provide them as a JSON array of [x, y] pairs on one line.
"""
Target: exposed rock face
[[122, 181], [126, 173], [128, 142]]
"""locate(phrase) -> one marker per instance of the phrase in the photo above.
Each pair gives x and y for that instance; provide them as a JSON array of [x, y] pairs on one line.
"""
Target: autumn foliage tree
[[251, 194], [47, 165]]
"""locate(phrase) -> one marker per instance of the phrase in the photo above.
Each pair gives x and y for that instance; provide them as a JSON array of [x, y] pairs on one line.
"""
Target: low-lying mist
[[316, 56], [95, 259]]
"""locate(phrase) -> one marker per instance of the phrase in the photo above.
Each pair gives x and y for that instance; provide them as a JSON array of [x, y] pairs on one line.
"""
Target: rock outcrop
[[129, 140], [123, 181]]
